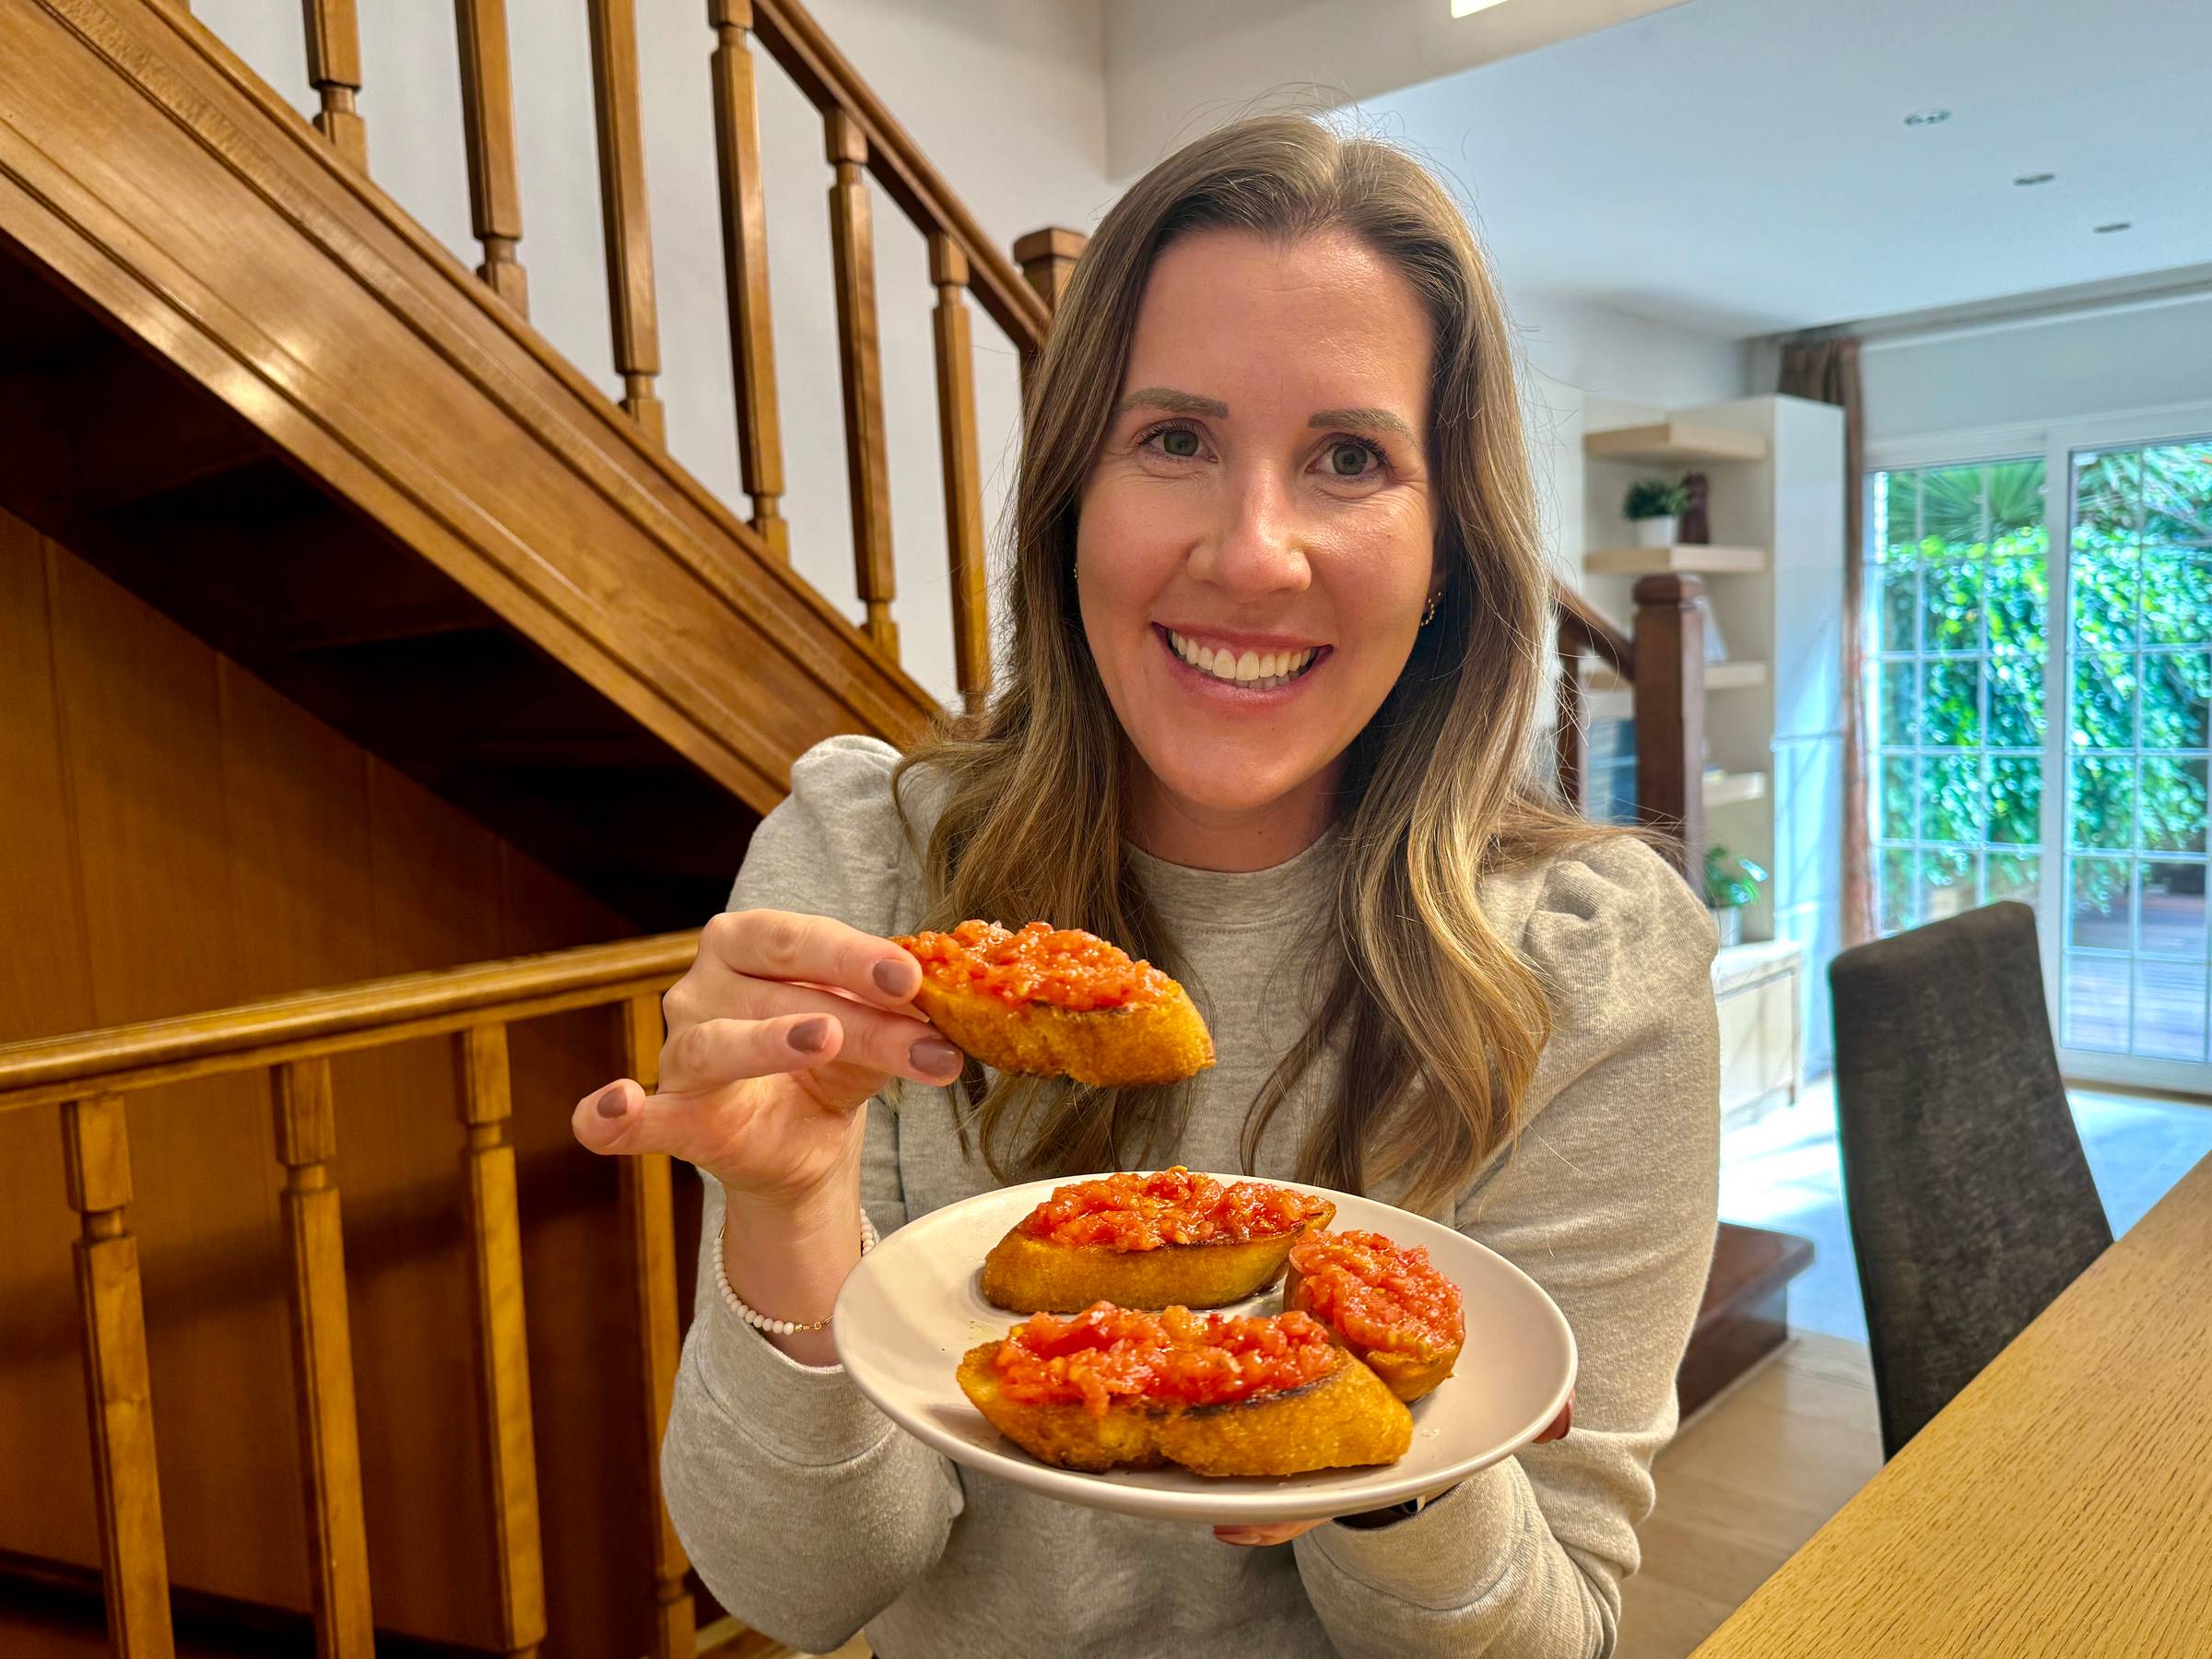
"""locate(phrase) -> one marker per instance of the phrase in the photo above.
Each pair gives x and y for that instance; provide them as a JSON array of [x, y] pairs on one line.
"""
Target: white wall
[[1007, 98]]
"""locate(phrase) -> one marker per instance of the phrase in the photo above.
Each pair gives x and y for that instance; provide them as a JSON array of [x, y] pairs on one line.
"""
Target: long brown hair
[[1439, 1019]]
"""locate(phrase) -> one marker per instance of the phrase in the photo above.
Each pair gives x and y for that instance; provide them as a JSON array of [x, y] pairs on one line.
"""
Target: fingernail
[[809, 1036], [614, 1101], [892, 979], [934, 1054]]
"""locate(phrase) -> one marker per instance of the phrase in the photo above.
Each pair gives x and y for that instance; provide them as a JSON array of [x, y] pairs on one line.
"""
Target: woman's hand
[[782, 1028], [1282, 1532]]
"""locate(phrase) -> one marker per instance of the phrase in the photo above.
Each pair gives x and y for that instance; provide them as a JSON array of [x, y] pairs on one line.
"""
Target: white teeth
[[1261, 672], [1247, 666]]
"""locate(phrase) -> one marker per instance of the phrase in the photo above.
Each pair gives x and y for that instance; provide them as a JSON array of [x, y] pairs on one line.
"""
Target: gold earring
[[1429, 611]]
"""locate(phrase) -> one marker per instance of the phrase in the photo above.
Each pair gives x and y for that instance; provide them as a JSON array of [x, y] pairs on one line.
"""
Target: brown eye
[[1180, 442], [1348, 460]]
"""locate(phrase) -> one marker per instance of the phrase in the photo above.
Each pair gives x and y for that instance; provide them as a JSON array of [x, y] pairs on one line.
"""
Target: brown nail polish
[[809, 1036], [892, 978], [934, 1054], [614, 1101]]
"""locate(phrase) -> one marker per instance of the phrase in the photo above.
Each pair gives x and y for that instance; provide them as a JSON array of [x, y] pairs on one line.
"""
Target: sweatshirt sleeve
[[804, 1508], [1608, 1200]]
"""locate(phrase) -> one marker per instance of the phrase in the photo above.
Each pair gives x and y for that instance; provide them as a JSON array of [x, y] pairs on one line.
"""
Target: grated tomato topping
[[1063, 966], [1107, 1353], [1130, 1211], [1380, 1294]]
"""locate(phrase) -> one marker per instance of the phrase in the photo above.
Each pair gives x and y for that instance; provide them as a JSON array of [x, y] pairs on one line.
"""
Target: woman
[[1278, 612]]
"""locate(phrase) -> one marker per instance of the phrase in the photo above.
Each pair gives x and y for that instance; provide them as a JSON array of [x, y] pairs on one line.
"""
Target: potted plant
[[1730, 884], [1653, 509]]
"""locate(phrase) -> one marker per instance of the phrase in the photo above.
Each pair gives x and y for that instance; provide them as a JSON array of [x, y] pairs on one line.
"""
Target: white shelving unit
[[1774, 590]]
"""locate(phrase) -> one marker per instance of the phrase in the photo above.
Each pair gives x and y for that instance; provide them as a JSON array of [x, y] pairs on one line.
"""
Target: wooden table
[[2061, 1504]]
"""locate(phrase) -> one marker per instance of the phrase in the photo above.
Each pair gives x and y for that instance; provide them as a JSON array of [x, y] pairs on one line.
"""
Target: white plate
[[913, 1308]]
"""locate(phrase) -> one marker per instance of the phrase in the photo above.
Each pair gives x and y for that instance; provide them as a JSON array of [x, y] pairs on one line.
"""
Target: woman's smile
[[1241, 669]]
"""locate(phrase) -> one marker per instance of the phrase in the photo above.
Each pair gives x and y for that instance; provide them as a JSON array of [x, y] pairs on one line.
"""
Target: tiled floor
[[1781, 1171]]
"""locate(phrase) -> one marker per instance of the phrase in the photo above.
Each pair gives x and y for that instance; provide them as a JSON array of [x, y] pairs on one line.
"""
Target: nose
[[1252, 548]]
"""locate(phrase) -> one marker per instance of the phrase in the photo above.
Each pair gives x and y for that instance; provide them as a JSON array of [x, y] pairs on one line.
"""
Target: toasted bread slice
[[1406, 1326], [1343, 1420], [1026, 1273], [1047, 1002]]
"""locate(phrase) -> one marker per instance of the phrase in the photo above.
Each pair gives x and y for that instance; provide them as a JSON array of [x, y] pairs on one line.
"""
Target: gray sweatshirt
[[810, 1516]]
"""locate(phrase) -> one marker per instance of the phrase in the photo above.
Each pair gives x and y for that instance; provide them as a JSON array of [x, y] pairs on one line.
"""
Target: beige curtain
[[1828, 372]]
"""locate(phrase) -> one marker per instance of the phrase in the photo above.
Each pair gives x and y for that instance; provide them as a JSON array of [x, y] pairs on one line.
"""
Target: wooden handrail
[[129, 1057], [797, 41]]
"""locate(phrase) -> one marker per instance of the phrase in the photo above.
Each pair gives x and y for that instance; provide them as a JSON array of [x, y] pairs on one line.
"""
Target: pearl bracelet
[[761, 1322]]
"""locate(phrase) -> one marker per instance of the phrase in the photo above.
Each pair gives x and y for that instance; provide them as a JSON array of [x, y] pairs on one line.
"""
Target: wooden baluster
[[134, 1561], [503, 1352], [745, 265], [333, 68], [860, 354], [495, 198], [1568, 736], [649, 1219], [330, 1451], [622, 206], [963, 472], [1047, 259], [1670, 713]]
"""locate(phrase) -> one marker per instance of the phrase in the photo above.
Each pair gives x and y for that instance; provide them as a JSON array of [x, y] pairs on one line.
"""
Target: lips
[[1257, 670]]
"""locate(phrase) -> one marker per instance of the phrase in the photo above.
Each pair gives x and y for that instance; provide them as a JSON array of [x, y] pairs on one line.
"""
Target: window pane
[[2170, 1009], [1900, 711], [2104, 701], [1951, 806], [1950, 607], [2016, 800], [2173, 806], [2014, 491], [2173, 910], [2177, 688], [2104, 601], [2016, 594], [2177, 597], [1951, 506], [1896, 813], [2102, 915], [2177, 495], [2016, 700], [2102, 809], [1947, 882], [2014, 875], [1900, 608], [1950, 714], [2095, 998], [1900, 497], [1898, 891], [2107, 498]]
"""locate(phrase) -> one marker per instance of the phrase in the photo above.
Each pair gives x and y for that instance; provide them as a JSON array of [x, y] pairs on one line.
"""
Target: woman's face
[[1257, 537]]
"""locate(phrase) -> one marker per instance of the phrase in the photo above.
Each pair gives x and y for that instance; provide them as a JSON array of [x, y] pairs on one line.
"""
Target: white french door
[[2039, 691]]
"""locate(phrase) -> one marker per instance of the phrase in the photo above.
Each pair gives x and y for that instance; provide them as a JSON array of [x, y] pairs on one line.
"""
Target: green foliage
[[1654, 497], [1964, 575], [1731, 882]]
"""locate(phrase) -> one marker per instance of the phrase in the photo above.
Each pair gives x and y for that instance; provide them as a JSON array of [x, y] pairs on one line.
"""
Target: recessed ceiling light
[[2116, 224], [2035, 178], [1927, 117], [1467, 8]]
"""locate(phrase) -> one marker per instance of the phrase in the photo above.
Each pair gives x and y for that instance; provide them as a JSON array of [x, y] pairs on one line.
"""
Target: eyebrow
[[1174, 403], [1373, 420]]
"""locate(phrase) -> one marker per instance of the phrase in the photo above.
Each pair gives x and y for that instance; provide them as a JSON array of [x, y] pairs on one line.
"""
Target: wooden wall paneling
[[501, 1335], [330, 1449], [963, 472], [141, 726], [629, 222], [334, 69], [495, 197], [118, 1394], [597, 1507], [1669, 692], [648, 1213], [745, 268], [860, 359]]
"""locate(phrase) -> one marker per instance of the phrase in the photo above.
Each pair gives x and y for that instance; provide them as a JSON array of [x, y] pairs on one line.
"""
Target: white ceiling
[[1743, 166]]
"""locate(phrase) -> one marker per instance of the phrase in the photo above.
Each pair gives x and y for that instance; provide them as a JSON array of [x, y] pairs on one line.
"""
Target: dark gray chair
[[1970, 1203]]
